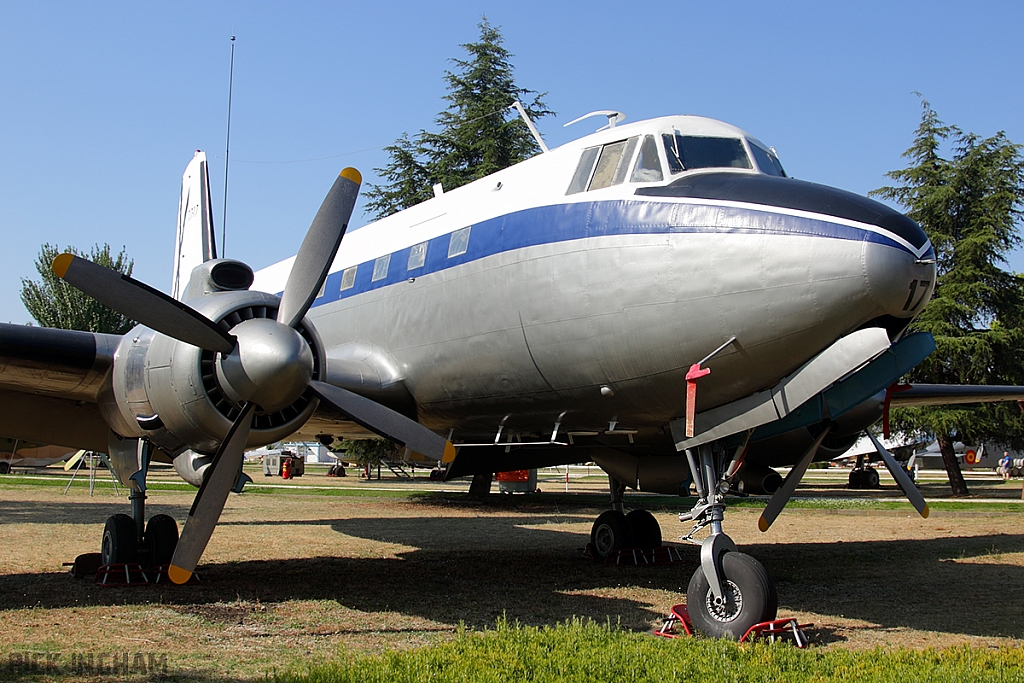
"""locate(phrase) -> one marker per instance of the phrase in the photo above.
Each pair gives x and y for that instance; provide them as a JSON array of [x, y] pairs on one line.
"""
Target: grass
[[586, 652]]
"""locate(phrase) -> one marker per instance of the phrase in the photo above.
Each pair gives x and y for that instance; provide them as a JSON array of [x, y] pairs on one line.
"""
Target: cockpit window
[[648, 167], [767, 161], [687, 152], [603, 166]]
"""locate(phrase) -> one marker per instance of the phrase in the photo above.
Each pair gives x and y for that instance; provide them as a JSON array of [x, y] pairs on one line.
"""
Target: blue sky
[[102, 105]]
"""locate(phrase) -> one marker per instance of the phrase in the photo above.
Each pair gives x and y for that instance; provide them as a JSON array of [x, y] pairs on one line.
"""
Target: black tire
[[120, 541], [871, 478], [750, 598], [646, 530], [610, 533], [161, 539], [856, 479], [5, 467]]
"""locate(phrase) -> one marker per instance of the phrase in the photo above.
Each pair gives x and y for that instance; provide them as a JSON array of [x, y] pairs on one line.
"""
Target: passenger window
[[687, 152], [417, 256], [380, 268], [583, 170], [348, 278], [767, 161], [323, 290], [459, 243], [648, 166]]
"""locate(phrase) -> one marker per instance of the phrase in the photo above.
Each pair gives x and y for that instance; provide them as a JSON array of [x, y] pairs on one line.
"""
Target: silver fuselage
[[588, 309]]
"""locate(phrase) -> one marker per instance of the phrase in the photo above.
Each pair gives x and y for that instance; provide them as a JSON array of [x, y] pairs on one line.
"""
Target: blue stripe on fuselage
[[566, 222]]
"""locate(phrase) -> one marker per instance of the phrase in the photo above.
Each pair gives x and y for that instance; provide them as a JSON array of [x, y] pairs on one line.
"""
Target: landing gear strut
[[128, 538], [730, 591]]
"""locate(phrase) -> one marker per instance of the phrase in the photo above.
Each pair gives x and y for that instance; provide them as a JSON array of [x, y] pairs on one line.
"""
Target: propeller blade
[[309, 270], [140, 302], [386, 422], [901, 477], [785, 492], [209, 502]]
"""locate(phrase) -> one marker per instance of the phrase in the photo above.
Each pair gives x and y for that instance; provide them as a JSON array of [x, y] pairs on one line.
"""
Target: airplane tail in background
[[194, 243]]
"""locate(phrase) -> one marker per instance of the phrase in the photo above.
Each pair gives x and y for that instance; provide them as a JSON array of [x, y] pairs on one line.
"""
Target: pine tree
[[970, 206], [55, 303], [478, 132]]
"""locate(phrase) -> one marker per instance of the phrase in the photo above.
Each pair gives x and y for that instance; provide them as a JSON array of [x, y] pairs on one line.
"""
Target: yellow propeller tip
[[926, 511], [61, 264], [763, 524], [178, 575], [353, 175], [449, 452]]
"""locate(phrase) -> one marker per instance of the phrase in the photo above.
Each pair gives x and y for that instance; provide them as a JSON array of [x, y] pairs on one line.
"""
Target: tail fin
[[194, 244]]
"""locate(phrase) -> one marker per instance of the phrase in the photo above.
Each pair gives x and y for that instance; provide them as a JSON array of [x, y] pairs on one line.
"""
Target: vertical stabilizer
[[194, 243]]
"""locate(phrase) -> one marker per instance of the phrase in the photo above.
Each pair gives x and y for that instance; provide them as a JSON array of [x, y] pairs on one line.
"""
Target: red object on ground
[[514, 475], [286, 468], [678, 616]]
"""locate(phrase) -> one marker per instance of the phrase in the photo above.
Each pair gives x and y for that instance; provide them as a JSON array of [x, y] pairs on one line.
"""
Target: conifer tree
[[970, 206], [55, 303], [478, 133]]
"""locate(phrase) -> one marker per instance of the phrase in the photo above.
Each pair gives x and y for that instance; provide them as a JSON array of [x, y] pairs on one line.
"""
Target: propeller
[[263, 363], [781, 497], [902, 478]]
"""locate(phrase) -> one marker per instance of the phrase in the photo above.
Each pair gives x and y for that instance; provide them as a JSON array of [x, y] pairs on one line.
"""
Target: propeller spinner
[[262, 363]]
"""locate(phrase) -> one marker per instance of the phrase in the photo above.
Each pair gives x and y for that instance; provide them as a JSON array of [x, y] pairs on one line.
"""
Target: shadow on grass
[[477, 569], [78, 512]]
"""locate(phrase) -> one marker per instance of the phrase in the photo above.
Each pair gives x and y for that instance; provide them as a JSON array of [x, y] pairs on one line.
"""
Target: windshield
[[686, 152], [767, 161]]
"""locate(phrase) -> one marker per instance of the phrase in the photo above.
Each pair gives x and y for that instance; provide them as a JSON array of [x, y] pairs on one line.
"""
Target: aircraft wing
[[49, 383], [946, 394]]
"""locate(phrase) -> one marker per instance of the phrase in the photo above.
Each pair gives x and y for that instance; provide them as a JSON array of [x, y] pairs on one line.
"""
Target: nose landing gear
[[730, 591]]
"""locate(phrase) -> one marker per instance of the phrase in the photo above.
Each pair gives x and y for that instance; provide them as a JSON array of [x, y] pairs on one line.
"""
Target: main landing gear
[[129, 539], [615, 530], [730, 591]]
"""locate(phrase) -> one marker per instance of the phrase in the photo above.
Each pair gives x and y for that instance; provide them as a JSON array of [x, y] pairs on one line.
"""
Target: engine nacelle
[[669, 474], [169, 392]]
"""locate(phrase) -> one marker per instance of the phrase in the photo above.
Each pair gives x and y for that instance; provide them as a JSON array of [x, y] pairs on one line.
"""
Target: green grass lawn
[[587, 652]]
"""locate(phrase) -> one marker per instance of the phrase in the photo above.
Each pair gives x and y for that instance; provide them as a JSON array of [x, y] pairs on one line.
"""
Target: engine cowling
[[173, 393]]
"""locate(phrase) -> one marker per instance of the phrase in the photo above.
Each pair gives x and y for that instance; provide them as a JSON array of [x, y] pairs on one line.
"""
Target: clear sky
[[103, 104]]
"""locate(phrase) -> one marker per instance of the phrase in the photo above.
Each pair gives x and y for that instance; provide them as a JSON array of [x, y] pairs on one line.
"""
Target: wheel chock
[[773, 630], [122, 574], [678, 616], [638, 557], [776, 629]]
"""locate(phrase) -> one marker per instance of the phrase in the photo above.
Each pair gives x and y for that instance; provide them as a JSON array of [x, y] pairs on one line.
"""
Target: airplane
[[657, 297], [15, 453]]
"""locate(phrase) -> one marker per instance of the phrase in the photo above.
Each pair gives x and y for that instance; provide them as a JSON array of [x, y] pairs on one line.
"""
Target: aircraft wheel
[[120, 540], [856, 479], [161, 539], [871, 478], [610, 533], [5, 468], [750, 598], [645, 528]]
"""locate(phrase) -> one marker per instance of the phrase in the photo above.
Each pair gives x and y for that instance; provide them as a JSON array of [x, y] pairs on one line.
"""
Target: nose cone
[[271, 364], [900, 282]]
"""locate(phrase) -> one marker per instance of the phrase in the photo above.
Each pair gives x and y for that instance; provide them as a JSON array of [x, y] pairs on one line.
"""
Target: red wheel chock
[[678, 616], [772, 630]]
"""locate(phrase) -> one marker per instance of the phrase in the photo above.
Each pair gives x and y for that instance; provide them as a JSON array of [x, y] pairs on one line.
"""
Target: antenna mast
[[227, 151]]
